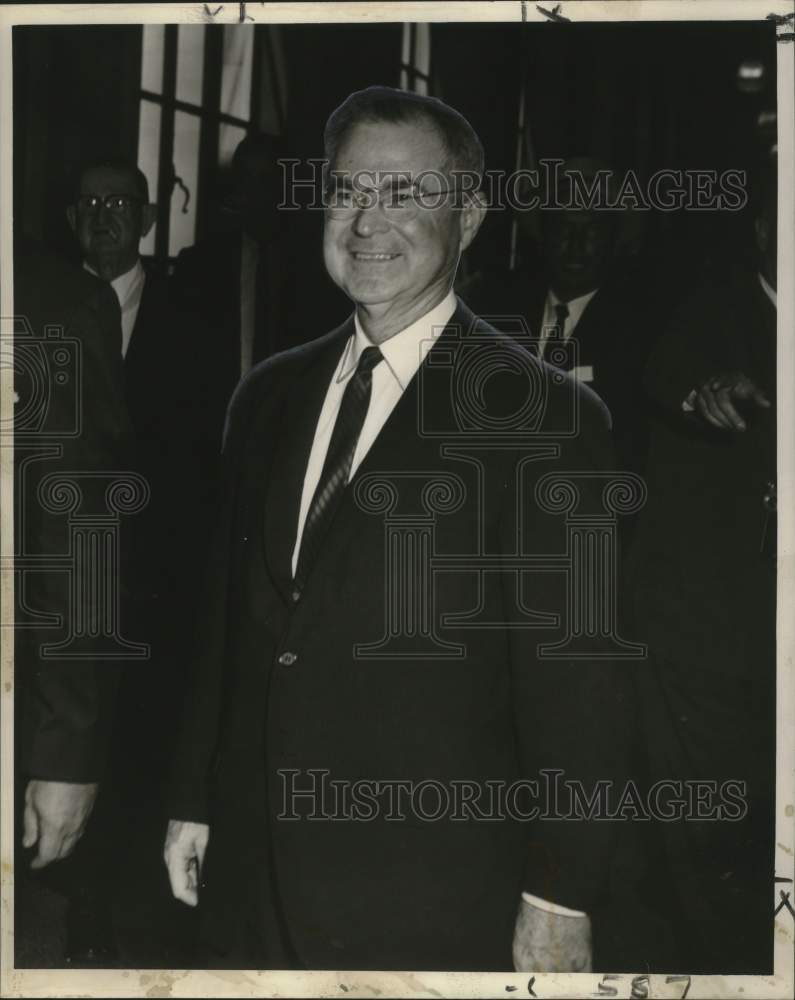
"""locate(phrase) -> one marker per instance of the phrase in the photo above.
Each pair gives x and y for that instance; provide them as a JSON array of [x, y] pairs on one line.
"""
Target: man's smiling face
[[394, 269]]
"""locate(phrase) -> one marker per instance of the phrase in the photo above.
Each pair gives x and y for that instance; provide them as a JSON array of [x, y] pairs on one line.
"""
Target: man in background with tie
[[110, 214], [585, 304], [294, 672]]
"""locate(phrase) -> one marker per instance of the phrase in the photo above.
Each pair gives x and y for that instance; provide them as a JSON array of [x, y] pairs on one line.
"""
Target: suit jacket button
[[287, 659], [296, 596]]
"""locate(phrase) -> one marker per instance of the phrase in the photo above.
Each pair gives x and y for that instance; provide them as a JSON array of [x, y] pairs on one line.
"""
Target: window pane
[[273, 82], [236, 74], [152, 57], [422, 56], [148, 160], [182, 225], [228, 138], [405, 55], [417, 65], [190, 62]]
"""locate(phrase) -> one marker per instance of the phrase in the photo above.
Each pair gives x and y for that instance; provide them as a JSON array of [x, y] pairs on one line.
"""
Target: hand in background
[[56, 813], [715, 399], [184, 855], [551, 942]]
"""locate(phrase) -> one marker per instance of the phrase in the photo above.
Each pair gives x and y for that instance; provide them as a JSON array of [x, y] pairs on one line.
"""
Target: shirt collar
[[768, 289], [405, 351], [575, 305], [125, 284]]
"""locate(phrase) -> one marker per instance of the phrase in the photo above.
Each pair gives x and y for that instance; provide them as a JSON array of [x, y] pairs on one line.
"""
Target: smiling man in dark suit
[[296, 673]]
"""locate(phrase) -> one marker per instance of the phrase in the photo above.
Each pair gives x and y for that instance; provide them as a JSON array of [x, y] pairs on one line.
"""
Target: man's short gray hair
[[387, 104]]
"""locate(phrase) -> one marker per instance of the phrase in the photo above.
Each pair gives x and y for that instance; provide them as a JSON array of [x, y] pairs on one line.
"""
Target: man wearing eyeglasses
[[110, 215], [301, 671]]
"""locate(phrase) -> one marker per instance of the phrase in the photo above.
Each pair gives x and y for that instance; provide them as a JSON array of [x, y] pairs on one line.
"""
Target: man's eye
[[401, 197]]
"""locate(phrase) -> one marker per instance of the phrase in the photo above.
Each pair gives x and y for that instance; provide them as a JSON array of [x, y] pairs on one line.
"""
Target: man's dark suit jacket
[[65, 705], [402, 894], [613, 337], [704, 581]]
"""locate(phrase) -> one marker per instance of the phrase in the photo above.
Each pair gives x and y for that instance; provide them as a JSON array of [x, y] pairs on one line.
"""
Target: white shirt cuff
[[688, 403], [543, 904]]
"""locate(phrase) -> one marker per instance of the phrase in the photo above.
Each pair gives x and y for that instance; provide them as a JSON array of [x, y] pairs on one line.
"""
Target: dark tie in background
[[339, 458], [558, 350]]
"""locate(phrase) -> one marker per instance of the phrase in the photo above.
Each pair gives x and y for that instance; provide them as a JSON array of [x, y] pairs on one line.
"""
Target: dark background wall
[[646, 96]]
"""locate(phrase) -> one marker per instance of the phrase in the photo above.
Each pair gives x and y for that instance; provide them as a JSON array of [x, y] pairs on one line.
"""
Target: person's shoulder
[[50, 290], [281, 370], [55, 277], [523, 381], [158, 287]]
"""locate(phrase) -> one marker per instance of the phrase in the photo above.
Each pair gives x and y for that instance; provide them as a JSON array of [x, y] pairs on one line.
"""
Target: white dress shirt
[[128, 288], [403, 354]]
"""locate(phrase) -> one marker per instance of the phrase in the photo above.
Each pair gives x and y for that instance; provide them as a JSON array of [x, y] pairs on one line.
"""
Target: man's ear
[[148, 218], [71, 216], [472, 216]]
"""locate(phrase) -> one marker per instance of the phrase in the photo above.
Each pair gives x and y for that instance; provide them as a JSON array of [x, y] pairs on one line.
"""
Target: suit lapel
[[401, 445], [286, 477]]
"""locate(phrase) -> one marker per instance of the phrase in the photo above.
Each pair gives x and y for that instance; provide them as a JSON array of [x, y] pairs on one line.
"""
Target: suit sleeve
[[198, 732], [573, 716], [68, 705]]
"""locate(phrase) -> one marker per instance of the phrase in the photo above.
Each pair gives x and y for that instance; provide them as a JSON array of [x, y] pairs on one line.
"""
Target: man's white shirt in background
[[129, 288]]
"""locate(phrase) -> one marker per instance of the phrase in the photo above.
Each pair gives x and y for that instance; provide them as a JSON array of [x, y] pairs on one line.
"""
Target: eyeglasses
[[399, 204], [119, 204]]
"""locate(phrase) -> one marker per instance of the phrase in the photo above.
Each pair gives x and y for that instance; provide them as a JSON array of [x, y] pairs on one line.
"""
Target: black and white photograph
[[397, 466]]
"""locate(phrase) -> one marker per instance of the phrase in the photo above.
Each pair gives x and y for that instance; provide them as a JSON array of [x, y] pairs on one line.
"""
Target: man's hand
[[56, 813], [550, 942], [184, 855], [715, 399]]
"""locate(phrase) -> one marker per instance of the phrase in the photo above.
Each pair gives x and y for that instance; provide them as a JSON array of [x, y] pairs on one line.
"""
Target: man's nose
[[370, 220], [103, 213]]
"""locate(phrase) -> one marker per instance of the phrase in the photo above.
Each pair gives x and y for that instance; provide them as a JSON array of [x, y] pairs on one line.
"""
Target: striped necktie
[[339, 458]]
